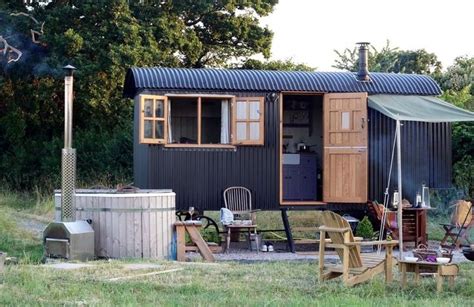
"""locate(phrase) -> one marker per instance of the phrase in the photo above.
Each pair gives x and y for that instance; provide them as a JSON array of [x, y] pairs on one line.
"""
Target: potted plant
[[366, 231]]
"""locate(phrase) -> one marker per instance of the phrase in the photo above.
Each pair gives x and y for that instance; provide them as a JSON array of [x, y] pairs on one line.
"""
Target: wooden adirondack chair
[[355, 268]]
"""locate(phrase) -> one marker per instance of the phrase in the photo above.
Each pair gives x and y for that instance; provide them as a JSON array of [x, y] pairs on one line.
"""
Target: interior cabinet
[[300, 180]]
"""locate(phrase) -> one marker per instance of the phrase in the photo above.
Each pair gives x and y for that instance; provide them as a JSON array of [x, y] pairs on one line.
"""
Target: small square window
[[345, 120]]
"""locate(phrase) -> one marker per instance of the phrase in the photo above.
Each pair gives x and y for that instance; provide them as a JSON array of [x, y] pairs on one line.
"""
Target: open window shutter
[[153, 119], [248, 121], [345, 148]]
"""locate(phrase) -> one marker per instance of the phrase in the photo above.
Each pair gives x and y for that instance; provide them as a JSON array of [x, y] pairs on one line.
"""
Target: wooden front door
[[345, 148]]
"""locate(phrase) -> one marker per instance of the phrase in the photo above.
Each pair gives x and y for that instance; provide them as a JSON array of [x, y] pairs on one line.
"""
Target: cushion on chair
[[391, 217], [227, 217]]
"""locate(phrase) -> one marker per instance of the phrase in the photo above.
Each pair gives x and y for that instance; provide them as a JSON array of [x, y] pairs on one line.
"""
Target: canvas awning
[[418, 108]]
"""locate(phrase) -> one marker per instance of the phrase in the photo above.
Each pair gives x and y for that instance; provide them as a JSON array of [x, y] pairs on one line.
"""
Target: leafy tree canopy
[[102, 38], [287, 64], [390, 59]]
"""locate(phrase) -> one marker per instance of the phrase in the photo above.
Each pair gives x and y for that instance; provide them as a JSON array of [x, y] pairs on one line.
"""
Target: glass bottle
[[418, 200], [396, 199]]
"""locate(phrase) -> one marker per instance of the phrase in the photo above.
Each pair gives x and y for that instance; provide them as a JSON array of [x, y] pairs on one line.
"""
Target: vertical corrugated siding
[[140, 152], [200, 175], [426, 155]]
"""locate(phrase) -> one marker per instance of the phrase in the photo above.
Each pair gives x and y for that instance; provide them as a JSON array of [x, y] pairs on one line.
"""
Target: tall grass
[[224, 284]]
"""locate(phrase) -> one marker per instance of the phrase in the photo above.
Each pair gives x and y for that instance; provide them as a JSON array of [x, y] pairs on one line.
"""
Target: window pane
[[159, 129], [211, 114], [345, 120], [148, 129], [160, 108], [241, 132], [241, 110], [148, 108], [254, 131], [254, 109], [183, 120]]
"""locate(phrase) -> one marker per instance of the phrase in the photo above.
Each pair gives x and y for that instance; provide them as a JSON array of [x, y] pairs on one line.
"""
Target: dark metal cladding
[[426, 156], [199, 175]]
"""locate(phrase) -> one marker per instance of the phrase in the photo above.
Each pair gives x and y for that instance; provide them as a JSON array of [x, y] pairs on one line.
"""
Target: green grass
[[14, 240], [229, 284], [223, 284]]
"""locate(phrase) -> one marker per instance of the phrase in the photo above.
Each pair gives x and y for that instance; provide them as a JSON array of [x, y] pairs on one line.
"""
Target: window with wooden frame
[[248, 121], [153, 119], [201, 120]]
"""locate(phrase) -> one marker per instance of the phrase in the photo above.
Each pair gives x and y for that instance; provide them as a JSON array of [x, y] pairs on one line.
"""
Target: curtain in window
[[225, 119], [170, 133]]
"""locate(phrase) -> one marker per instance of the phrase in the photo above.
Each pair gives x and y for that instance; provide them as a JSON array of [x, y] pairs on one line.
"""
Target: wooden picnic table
[[448, 270]]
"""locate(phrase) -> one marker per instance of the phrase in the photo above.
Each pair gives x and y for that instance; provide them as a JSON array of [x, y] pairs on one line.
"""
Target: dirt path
[[31, 223]]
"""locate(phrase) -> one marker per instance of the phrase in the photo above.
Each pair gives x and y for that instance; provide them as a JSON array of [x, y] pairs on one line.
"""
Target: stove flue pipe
[[363, 73], [68, 208]]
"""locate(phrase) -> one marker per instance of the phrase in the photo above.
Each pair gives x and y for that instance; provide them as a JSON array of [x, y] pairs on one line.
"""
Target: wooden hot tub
[[127, 224]]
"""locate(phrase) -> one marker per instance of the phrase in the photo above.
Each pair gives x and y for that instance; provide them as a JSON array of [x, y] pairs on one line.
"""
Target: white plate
[[442, 260]]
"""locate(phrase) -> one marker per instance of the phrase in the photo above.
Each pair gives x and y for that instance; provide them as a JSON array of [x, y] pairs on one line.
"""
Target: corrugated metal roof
[[270, 80]]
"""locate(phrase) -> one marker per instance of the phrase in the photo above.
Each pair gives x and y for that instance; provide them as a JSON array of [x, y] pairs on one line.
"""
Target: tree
[[208, 33], [390, 59], [287, 64], [102, 38]]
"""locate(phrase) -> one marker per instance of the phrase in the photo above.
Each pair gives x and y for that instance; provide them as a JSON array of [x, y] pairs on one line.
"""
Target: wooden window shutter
[[153, 119], [248, 121]]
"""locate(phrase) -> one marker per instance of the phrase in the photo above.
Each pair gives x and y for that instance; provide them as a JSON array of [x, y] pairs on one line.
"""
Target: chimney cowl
[[69, 69], [363, 73]]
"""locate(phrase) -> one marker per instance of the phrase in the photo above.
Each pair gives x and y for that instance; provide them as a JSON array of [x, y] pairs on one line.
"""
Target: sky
[[308, 31]]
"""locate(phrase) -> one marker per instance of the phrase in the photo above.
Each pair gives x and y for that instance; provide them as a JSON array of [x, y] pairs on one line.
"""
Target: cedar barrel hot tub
[[132, 224]]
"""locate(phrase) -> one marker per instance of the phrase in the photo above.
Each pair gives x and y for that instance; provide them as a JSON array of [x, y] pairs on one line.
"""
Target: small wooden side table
[[448, 270]]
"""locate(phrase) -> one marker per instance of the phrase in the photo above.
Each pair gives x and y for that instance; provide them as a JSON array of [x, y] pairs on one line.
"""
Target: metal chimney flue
[[363, 73], [68, 178], [69, 239]]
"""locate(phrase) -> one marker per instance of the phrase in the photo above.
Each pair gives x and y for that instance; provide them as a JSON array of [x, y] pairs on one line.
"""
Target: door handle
[[362, 123]]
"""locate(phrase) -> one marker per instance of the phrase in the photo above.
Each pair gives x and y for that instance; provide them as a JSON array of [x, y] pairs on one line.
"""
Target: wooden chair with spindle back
[[239, 201]]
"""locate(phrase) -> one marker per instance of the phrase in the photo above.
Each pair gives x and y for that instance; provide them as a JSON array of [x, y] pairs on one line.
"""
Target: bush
[[365, 229], [464, 175], [103, 157]]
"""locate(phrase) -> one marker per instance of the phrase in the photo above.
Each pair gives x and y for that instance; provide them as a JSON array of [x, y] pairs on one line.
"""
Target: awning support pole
[[400, 206]]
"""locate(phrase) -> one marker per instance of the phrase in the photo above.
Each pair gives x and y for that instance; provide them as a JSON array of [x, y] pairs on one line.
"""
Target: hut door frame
[[345, 164], [282, 201]]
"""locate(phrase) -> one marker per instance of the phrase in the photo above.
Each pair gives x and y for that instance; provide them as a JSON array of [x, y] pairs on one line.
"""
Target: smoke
[[34, 60]]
